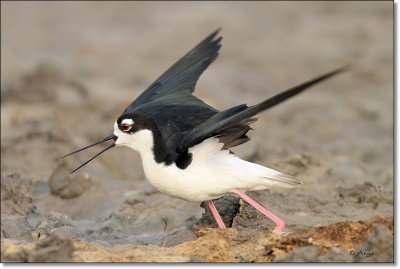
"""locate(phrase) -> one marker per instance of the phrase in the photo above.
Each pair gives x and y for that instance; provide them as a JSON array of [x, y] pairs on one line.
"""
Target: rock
[[228, 207], [67, 185]]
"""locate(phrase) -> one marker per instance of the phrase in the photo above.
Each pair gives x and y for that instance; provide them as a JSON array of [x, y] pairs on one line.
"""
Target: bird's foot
[[279, 228]]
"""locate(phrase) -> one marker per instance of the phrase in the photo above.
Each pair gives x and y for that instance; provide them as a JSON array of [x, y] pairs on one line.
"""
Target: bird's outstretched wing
[[233, 122], [182, 76]]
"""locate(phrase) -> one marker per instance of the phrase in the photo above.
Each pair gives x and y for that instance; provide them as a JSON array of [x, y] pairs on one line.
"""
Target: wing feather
[[182, 76]]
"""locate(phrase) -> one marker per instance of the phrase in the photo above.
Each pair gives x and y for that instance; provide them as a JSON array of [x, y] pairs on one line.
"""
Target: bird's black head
[[130, 123], [131, 129], [136, 130]]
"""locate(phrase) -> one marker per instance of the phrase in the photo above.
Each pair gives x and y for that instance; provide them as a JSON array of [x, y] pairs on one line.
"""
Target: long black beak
[[88, 161], [113, 137]]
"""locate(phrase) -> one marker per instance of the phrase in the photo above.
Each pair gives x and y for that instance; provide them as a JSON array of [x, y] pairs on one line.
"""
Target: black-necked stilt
[[184, 143]]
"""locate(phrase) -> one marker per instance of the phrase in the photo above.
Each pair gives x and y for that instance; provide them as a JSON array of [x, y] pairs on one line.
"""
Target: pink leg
[[280, 224], [216, 215]]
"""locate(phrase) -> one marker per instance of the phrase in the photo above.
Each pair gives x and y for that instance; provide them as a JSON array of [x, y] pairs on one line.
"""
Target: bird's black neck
[[162, 155], [161, 141]]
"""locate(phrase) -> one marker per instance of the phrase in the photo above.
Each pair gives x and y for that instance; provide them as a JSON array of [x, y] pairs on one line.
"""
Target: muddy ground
[[68, 70]]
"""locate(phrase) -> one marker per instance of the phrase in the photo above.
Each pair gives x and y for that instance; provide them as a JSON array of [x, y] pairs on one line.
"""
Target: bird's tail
[[253, 177], [272, 178]]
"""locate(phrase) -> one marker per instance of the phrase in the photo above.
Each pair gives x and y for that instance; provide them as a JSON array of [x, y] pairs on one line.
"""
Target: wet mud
[[62, 91]]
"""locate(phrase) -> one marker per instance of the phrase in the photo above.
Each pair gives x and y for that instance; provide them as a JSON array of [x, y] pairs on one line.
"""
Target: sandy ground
[[69, 69]]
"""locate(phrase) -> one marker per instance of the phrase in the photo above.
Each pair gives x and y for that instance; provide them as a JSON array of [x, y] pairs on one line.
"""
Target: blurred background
[[69, 69]]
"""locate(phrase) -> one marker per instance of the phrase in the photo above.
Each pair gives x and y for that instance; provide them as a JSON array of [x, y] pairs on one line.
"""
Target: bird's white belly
[[192, 183]]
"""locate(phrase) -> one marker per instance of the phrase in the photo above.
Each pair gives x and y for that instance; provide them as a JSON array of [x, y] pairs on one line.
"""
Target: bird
[[185, 144]]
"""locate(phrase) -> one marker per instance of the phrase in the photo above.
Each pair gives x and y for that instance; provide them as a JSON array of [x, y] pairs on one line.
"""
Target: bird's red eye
[[125, 127]]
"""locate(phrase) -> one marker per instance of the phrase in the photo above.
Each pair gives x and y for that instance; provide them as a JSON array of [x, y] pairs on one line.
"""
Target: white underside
[[212, 173]]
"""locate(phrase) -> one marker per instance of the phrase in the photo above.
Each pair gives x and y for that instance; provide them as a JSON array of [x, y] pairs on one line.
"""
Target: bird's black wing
[[233, 121], [182, 76], [172, 118]]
